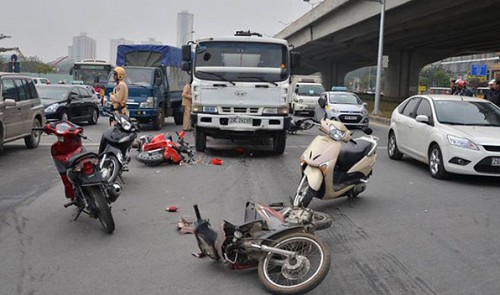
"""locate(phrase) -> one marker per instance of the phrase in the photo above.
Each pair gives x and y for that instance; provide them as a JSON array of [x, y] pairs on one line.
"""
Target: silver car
[[343, 106], [20, 110]]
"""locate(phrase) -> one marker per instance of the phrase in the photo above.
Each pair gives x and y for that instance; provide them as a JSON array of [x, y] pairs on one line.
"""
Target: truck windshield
[[310, 90], [241, 61], [137, 76]]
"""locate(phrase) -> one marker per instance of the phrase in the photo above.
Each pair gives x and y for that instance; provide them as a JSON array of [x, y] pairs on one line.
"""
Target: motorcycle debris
[[216, 161], [198, 255], [171, 209], [185, 226]]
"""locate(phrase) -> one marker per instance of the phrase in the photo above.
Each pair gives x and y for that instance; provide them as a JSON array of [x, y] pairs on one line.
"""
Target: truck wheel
[[178, 118], [200, 140], [159, 120], [279, 142]]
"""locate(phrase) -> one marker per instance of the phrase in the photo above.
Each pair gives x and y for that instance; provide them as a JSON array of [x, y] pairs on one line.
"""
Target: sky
[[45, 28]]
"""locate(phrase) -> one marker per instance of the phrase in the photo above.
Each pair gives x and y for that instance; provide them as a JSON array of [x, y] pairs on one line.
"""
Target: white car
[[345, 107], [452, 134]]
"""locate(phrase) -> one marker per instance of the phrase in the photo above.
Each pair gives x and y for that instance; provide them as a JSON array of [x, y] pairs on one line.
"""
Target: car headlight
[[336, 134], [462, 142], [125, 124], [52, 108], [365, 112], [149, 103], [210, 109], [301, 100]]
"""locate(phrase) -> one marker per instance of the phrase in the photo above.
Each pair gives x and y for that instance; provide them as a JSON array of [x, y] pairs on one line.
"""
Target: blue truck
[[155, 81]]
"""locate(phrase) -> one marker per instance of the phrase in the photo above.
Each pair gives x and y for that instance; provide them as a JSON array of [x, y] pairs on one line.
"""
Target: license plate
[[495, 161], [240, 120], [350, 118]]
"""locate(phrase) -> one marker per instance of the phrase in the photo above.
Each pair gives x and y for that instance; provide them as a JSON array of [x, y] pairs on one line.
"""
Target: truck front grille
[[239, 110]]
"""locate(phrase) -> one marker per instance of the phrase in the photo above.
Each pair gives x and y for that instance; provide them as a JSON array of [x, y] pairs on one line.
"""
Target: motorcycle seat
[[75, 158], [351, 153]]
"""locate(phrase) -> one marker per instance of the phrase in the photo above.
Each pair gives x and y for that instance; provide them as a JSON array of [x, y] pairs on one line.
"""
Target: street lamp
[[312, 3], [379, 57]]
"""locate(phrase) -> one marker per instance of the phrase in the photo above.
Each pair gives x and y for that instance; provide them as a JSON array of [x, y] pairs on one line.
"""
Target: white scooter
[[335, 165]]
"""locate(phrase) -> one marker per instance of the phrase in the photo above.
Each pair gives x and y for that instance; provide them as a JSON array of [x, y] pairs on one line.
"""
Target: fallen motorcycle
[[290, 259], [300, 125], [80, 174], [162, 148]]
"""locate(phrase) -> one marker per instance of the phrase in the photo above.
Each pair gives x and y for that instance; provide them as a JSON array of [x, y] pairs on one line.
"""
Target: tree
[[432, 76]]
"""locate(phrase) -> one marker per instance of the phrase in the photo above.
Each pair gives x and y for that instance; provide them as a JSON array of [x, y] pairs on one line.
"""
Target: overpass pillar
[[333, 74], [402, 75]]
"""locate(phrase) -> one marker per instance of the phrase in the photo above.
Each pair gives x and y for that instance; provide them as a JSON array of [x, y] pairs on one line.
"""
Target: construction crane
[[58, 61]]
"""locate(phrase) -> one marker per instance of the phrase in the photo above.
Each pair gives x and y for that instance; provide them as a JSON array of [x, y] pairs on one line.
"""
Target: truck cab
[[240, 86]]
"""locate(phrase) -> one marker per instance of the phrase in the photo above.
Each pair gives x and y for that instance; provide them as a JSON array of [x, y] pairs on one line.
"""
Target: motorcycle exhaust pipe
[[114, 191]]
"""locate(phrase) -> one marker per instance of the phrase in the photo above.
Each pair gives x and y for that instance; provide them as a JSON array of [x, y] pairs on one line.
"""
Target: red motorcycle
[[290, 259], [161, 148], [80, 174]]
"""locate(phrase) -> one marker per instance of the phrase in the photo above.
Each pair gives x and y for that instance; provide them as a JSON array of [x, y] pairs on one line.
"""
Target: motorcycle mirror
[[322, 102], [367, 130]]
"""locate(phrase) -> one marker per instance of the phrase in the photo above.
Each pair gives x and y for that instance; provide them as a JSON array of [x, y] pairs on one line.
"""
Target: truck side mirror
[[322, 102], [294, 59], [186, 52], [186, 66], [297, 90]]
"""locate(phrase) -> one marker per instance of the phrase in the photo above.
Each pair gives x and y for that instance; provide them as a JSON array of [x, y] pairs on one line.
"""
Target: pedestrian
[[119, 95], [97, 90], [493, 94], [453, 86], [462, 88], [187, 102]]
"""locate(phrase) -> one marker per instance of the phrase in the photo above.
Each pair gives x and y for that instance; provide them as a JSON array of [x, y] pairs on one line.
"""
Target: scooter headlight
[[335, 133], [126, 125]]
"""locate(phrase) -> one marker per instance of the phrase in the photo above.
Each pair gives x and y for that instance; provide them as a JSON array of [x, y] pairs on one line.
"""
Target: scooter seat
[[75, 158], [351, 153]]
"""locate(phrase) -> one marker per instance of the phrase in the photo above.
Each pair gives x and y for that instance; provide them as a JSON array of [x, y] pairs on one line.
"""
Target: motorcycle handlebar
[[197, 212]]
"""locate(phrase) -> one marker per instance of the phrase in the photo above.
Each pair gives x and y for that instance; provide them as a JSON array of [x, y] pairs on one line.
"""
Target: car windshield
[[473, 113], [53, 93], [311, 90], [344, 98]]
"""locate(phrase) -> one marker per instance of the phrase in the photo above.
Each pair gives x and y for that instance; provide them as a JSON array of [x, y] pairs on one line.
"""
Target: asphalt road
[[406, 234]]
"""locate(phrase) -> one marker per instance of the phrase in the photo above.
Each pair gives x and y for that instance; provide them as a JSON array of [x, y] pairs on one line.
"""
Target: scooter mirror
[[322, 102], [367, 130]]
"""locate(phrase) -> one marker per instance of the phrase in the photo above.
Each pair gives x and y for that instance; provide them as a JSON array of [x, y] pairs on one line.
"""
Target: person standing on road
[[187, 102], [462, 89], [493, 94], [119, 95], [453, 86]]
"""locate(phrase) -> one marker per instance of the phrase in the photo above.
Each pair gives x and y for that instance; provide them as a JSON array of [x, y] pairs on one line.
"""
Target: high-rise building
[[152, 41], [184, 27], [113, 45], [83, 47]]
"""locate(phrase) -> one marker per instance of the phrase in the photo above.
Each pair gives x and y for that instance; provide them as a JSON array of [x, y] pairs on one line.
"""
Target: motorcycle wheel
[[321, 220], [304, 191], [110, 169], [151, 159], [306, 125], [280, 275], [103, 211]]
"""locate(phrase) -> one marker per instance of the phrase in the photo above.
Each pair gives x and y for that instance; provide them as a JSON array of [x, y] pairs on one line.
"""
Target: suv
[[20, 110]]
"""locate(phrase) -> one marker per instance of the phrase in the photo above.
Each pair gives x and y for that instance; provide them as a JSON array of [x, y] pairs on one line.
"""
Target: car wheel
[[65, 116], [33, 140], [200, 139], [392, 147], [94, 117], [159, 120], [436, 165]]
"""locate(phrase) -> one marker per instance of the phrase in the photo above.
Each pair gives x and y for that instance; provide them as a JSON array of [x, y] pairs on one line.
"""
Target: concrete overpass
[[338, 36]]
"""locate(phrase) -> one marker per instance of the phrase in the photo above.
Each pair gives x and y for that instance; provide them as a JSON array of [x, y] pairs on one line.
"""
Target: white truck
[[240, 87], [304, 93]]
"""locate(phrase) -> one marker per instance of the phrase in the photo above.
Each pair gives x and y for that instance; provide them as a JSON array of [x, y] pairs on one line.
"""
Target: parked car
[[451, 134], [69, 102], [344, 106], [20, 110], [41, 81]]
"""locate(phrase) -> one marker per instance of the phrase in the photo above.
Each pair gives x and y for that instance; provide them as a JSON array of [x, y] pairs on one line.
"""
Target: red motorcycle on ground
[[290, 259], [80, 174], [162, 148]]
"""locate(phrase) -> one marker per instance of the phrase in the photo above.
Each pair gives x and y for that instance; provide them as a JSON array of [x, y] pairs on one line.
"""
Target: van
[[38, 81], [20, 110]]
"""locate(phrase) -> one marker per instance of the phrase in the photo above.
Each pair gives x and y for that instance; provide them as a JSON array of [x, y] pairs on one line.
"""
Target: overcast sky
[[45, 28]]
